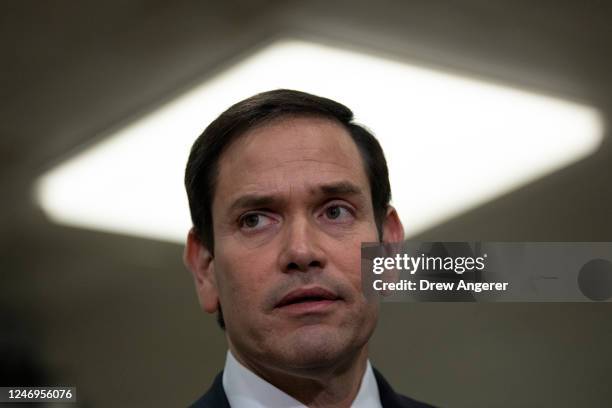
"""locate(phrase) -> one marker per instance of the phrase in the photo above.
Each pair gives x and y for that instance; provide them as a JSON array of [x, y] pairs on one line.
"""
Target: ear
[[200, 262], [393, 231]]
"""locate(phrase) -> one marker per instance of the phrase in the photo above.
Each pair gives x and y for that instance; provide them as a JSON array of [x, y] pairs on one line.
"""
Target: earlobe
[[393, 231], [200, 262]]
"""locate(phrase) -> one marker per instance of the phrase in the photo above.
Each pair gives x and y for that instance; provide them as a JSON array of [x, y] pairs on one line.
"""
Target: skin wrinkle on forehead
[[269, 177], [252, 167], [254, 199], [292, 125], [257, 176]]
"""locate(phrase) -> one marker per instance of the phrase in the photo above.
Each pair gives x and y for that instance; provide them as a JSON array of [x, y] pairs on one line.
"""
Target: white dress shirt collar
[[245, 389]]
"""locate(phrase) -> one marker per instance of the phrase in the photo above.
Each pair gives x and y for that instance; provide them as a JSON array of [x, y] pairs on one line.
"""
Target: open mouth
[[301, 298]]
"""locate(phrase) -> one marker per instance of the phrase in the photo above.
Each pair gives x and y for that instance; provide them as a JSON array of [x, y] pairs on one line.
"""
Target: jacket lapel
[[214, 397], [390, 399]]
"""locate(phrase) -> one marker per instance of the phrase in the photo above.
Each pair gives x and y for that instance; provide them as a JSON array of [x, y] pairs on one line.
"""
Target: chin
[[312, 348]]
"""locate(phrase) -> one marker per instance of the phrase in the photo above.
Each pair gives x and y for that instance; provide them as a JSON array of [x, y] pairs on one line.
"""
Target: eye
[[254, 221], [338, 213]]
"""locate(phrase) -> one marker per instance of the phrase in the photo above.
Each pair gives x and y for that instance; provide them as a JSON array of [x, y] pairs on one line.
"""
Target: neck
[[334, 386]]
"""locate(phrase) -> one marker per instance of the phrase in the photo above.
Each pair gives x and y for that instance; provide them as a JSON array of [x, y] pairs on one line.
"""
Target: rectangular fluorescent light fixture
[[452, 143]]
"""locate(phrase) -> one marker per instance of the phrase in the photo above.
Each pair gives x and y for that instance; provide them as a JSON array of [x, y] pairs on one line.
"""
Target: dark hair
[[202, 165]]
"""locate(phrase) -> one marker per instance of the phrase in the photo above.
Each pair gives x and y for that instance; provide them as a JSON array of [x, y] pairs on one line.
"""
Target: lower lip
[[317, 306]]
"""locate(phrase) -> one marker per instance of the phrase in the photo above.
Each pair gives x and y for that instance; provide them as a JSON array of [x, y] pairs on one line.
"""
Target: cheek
[[241, 277], [347, 258]]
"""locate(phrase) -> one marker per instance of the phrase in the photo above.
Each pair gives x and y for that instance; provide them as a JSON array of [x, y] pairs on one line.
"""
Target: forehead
[[289, 153]]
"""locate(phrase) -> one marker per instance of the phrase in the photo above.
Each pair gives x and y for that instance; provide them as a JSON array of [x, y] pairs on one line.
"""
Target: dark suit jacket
[[215, 397]]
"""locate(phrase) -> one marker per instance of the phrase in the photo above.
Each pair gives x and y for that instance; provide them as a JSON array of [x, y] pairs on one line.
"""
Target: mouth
[[307, 300]]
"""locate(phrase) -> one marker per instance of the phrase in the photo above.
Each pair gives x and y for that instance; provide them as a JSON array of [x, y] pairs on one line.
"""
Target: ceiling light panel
[[452, 143]]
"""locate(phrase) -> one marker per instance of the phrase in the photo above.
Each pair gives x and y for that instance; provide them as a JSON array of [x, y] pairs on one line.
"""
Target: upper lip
[[301, 294]]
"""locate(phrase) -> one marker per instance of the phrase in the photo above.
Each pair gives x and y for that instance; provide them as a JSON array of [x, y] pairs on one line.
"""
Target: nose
[[301, 250]]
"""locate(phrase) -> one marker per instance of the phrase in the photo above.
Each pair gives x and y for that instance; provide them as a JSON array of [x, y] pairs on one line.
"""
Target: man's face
[[291, 208]]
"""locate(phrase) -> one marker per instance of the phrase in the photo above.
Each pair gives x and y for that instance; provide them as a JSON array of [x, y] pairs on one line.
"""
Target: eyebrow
[[252, 201], [343, 188]]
